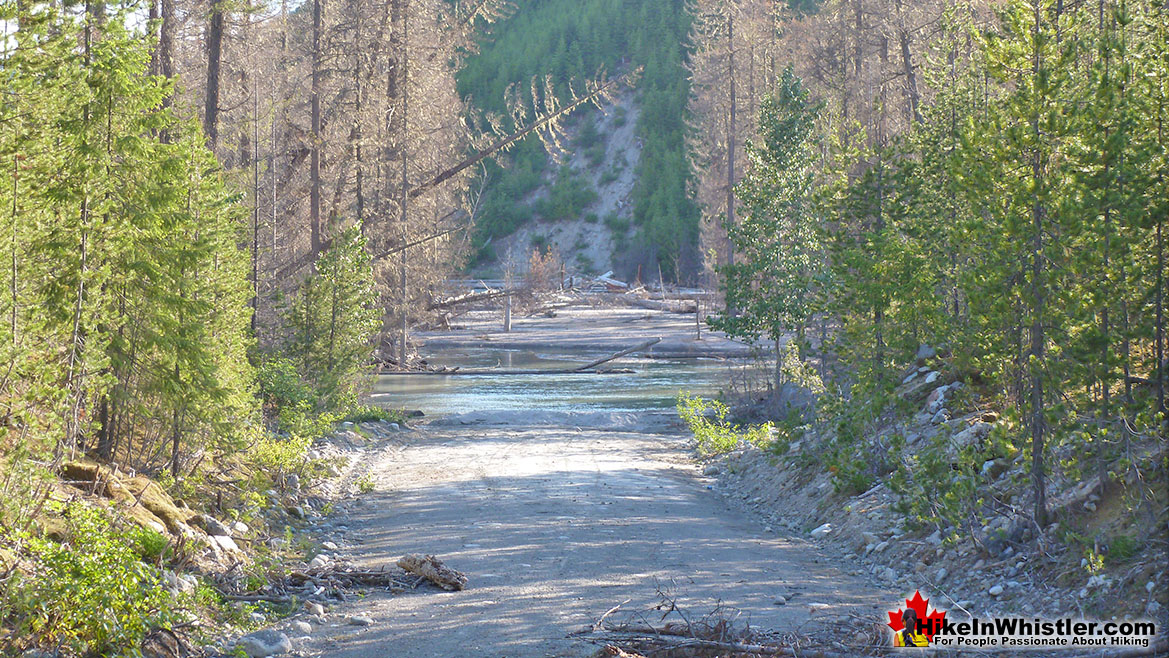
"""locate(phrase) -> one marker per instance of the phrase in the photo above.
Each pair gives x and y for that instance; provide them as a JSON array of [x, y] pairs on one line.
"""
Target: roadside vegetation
[[981, 293], [135, 401]]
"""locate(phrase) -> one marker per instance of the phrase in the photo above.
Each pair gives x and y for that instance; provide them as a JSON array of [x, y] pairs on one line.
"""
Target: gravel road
[[556, 525]]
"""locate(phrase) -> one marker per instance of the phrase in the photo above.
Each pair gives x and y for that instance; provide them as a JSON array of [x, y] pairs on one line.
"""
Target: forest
[[224, 219], [571, 41]]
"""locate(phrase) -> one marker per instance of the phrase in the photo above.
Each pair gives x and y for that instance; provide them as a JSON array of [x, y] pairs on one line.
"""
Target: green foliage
[[127, 288], [92, 593], [1018, 223], [369, 412], [333, 321], [774, 285], [571, 40], [707, 420], [567, 199]]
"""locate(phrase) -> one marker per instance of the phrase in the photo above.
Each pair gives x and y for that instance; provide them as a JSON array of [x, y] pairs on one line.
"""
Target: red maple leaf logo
[[930, 623]]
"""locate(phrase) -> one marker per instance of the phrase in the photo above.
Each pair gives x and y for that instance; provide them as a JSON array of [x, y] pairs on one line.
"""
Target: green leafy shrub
[[717, 435], [370, 412], [91, 594]]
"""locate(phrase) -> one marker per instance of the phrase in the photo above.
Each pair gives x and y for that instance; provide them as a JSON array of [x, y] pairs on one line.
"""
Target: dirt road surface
[[554, 526]]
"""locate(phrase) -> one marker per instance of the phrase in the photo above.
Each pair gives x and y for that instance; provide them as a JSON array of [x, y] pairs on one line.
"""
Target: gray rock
[[239, 528], [995, 591], [821, 531], [910, 377], [971, 434], [329, 546], [395, 427], [225, 543], [935, 539], [881, 547], [265, 643], [925, 352], [869, 537], [292, 481], [214, 526], [295, 511], [932, 377], [314, 608], [890, 574], [941, 575], [360, 621], [940, 417], [302, 627], [318, 562]]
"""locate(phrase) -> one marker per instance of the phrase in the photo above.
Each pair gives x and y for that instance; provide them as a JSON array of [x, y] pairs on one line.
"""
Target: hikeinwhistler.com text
[[1022, 633]]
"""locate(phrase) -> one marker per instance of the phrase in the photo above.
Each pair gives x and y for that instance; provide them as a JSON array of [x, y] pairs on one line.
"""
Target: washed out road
[[554, 525]]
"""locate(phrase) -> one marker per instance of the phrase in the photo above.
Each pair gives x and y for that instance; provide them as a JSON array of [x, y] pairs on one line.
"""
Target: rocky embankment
[[999, 560]]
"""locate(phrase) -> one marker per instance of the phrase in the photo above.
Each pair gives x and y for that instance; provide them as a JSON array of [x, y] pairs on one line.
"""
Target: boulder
[[971, 435], [212, 525], [263, 644], [821, 531], [925, 352]]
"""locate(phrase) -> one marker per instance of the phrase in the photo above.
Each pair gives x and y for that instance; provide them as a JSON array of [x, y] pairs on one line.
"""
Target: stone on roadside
[[314, 608], [263, 644], [360, 620], [712, 469], [995, 591], [329, 546], [302, 627], [941, 575], [821, 531]]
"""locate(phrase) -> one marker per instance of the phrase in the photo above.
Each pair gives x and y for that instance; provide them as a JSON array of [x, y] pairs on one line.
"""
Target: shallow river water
[[654, 384]]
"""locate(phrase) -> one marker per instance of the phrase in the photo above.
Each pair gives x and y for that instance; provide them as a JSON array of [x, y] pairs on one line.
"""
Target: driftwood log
[[432, 569], [588, 367]]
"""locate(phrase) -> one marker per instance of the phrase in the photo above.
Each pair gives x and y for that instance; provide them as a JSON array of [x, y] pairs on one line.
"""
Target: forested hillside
[[570, 40], [974, 190]]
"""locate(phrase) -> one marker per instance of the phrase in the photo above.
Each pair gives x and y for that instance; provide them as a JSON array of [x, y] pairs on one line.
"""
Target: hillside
[[597, 202]]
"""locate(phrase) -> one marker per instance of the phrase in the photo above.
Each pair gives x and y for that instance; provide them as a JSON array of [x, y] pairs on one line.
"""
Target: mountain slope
[[571, 40]]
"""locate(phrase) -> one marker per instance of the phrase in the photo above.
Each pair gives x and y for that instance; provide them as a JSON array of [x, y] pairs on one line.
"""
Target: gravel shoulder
[[554, 526]]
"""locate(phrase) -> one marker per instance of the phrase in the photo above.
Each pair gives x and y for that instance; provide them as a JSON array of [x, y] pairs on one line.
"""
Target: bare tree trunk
[[731, 127], [315, 146], [404, 193], [1036, 352], [214, 57]]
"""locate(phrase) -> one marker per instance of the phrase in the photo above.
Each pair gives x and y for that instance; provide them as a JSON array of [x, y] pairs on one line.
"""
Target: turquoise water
[[653, 385]]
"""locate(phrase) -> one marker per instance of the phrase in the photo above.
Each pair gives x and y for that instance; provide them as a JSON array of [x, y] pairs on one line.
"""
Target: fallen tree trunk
[[683, 307], [432, 569], [636, 348], [557, 371]]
